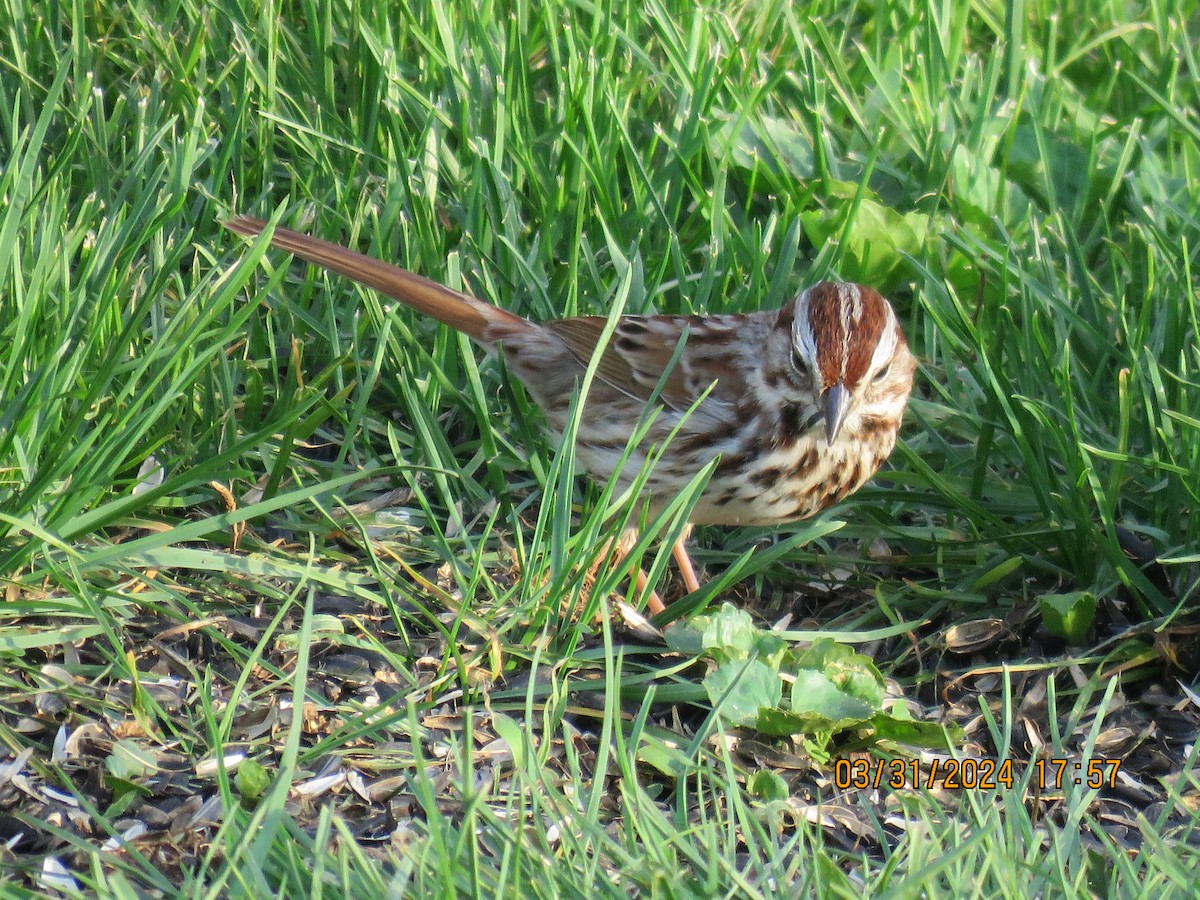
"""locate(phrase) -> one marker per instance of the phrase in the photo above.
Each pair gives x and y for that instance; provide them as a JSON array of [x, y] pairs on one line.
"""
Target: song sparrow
[[803, 402]]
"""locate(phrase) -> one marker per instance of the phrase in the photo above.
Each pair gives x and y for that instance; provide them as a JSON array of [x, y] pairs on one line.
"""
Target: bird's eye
[[799, 362], [882, 373]]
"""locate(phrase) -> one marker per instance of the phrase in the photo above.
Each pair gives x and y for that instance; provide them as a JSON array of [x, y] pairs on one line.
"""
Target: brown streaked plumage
[[803, 402]]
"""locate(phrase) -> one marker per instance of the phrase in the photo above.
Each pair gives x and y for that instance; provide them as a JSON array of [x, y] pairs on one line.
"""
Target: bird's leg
[[678, 550], [654, 604], [686, 569], [620, 548]]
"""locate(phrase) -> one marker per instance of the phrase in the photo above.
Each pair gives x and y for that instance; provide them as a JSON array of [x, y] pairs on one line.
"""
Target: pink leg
[[678, 550], [686, 569], [620, 549], [654, 604]]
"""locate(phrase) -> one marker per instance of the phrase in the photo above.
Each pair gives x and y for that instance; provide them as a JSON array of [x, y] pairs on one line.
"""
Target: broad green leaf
[[740, 689], [813, 693]]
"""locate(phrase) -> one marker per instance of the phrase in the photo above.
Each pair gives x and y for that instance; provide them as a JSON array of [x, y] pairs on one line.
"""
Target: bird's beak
[[837, 403]]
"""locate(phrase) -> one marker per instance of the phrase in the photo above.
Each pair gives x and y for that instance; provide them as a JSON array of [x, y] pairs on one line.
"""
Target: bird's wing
[[641, 350]]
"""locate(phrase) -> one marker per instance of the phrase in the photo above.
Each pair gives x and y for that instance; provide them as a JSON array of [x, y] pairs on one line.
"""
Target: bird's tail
[[482, 321]]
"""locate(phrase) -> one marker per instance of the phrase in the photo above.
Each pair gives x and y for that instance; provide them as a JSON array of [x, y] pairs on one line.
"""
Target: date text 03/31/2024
[[1051, 774]]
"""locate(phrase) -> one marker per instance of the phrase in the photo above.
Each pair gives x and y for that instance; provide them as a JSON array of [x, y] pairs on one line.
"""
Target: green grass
[[402, 556]]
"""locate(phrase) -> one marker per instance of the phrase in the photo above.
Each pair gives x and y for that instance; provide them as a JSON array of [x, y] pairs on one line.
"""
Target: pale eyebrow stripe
[[887, 340]]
